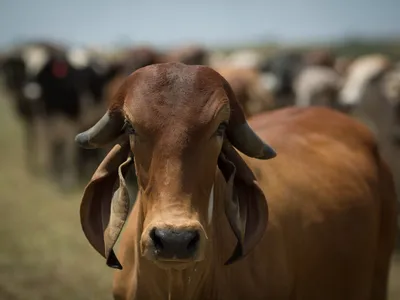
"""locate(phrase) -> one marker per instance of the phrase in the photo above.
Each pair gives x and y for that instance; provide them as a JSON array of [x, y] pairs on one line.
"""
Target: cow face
[[176, 124]]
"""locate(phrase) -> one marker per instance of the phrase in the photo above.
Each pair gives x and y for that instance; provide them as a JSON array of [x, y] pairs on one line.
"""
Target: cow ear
[[245, 204], [105, 202]]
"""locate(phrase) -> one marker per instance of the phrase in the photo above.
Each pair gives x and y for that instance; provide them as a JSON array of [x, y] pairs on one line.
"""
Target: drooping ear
[[245, 204], [105, 203]]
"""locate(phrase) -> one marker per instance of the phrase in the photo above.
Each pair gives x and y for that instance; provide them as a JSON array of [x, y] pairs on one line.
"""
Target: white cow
[[317, 85], [360, 74]]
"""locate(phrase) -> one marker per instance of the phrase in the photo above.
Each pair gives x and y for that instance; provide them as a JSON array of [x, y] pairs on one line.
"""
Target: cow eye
[[128, 128], [221, 129]]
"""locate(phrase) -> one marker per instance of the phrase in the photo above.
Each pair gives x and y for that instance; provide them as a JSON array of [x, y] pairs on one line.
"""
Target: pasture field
[[43, 252]]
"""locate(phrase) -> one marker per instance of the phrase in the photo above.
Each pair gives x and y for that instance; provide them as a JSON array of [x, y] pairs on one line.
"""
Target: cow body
[[331, 223], [316, 222]]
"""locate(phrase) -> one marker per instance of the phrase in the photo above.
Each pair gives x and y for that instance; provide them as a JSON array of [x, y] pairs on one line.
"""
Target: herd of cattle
[[58, 91], [219, 199]]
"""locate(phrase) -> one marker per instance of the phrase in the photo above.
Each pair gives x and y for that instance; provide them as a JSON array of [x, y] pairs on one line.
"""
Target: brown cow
[[331, 202]]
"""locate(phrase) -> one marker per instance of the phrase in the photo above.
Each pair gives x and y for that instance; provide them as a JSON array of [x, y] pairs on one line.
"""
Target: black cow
[[20, 70], [57, 93], [284, 66], [72, 96]]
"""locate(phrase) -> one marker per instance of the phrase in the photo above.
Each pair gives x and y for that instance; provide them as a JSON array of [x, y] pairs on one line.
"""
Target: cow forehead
[[174, 92]]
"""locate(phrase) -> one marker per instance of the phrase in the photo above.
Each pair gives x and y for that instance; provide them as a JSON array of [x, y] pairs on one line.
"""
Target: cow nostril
[[192, 245], [156, 239], [175, 243]]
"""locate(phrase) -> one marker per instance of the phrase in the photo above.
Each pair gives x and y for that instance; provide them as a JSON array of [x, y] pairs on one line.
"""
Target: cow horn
[[247, 141], [106, 130]]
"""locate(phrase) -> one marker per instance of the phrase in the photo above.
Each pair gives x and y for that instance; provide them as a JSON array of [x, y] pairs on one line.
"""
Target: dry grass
[[43, 253]]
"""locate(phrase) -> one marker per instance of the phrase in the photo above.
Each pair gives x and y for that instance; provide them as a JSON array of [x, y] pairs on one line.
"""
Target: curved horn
[[106, 130], [247, 141]]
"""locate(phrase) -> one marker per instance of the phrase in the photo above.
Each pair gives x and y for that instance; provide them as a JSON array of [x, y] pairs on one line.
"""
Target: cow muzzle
[[172, 246]]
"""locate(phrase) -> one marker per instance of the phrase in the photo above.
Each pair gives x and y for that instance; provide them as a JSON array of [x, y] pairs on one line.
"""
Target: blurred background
[[61, 61]]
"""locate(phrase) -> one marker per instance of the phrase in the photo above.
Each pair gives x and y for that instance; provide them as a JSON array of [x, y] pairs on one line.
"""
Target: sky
[[216, 22]]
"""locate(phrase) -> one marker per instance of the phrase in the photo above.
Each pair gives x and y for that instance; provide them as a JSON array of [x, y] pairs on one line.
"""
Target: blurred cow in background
[[391, 90], [319, 57], [303, 78], [317, 85], [364, 71], [282, 69], [217, 59], [75, 86], [342, 64], [318, 82], [137, 57], [250, 89], [130, 60], [244, 59], [361, 94], [20, 69], [56, 91], [188, 54]]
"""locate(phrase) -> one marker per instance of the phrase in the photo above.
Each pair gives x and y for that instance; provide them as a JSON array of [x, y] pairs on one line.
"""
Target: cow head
[[176, 125]]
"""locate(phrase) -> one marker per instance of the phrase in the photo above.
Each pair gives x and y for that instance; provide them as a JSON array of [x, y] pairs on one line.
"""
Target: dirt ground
[[43, 252]]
